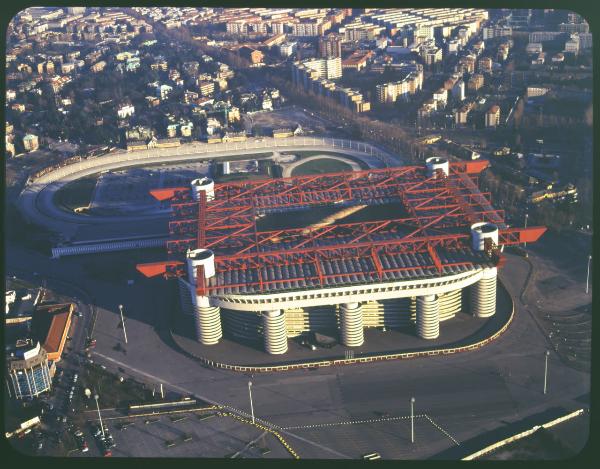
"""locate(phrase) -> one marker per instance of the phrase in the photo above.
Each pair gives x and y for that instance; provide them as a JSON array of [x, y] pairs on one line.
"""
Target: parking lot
[[203, 435], [127, 191], [389, 436]]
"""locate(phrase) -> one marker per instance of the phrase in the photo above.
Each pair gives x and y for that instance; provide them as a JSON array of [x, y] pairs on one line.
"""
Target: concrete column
[[351, 324], [428, 317], [207, 320], [185, 297], [15, 380], [483, 294], [274, 332], [30, 392]]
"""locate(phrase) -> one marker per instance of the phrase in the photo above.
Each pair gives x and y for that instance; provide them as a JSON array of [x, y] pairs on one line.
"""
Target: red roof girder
[[246, 237]]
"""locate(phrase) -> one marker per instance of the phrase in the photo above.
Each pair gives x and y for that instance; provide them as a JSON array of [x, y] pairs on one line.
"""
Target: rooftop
[[430, 236]]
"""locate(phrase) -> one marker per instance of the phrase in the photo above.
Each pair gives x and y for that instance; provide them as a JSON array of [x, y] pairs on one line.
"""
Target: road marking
[[353, 422], [211, 401], [248, 445], [442, 430]]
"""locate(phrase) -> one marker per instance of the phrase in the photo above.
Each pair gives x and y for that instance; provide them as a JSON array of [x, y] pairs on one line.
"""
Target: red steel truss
[[440, 211]]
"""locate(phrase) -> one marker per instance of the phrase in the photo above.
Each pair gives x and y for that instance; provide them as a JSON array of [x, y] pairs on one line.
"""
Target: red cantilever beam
[[167, 193], [521, 235], [470, 167], [156, 268]]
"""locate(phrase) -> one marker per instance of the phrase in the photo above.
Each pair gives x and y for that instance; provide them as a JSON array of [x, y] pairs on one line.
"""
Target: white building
[[125, 110], [329, 69], [534, 48], [163, 91], [533, 91], [287, 49]]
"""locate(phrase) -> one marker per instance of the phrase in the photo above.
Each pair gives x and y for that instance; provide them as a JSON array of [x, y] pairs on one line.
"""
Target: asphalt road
[[465, 394]]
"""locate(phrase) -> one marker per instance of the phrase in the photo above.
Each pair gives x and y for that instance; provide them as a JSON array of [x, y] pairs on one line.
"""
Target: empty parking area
[[128, 190], [193, 435], [390, 437]]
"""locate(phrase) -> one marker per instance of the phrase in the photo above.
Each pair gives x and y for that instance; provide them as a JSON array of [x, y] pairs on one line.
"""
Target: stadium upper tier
[[432, 237]]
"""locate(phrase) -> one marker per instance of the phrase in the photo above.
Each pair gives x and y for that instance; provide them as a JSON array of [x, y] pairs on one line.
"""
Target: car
[[81, 443], [106, 446], [109, 438], [75, 377]]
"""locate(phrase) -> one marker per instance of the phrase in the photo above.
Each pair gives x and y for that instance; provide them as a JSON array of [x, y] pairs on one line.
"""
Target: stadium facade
[[438, 257]]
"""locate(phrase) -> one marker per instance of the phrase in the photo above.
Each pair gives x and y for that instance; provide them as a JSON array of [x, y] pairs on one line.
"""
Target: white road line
[[353, 422], [211, 401], [248, 445], [442, 430]]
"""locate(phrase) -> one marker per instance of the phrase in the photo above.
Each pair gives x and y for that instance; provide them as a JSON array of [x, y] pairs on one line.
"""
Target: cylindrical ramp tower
[[203, 185], [436, 163], [483, 294], [200, 257], [351, 324], [207, 318], [275, 332], [428, 317]]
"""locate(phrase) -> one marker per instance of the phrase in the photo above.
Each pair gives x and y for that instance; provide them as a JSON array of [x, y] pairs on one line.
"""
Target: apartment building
[[330, 46], [492, 116]]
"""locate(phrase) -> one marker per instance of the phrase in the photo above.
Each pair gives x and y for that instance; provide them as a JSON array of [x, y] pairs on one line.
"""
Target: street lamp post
[[546, 370], [587, 279], [412, 419], [526, 216], [123, 322], [99, 416], [251, 405]]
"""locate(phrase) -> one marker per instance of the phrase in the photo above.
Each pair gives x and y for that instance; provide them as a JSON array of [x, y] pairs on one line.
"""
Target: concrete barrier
[[521, 435]]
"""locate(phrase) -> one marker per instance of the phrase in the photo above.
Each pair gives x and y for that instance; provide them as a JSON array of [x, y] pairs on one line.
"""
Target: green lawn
[[112, 393], [76, 194], [304, 218], [320, 166], [307, 153]]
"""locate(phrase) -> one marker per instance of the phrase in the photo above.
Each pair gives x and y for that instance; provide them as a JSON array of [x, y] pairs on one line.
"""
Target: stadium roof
[[432, 238]]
